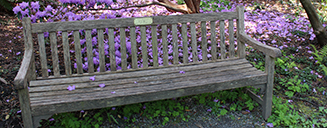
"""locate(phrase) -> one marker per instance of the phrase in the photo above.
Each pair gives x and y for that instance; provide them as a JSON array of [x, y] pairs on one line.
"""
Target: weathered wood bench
[[211, 65]]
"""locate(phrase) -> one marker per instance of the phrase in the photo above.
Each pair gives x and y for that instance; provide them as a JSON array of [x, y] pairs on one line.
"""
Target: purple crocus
[[49, 8], [71, 88], [23, 5], [17, 9], [215, 100], [35, 5], [102, 85], [209, 110], [270, 125]]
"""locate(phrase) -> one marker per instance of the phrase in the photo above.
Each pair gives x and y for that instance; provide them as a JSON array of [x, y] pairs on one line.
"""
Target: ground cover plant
[[299, 91]]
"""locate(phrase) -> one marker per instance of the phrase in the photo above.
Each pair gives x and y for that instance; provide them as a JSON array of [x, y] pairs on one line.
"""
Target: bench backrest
[[87, 47]]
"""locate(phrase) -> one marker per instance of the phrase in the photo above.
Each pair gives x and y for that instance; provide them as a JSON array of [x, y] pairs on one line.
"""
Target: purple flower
[[40, 14], [102, 85], [248, 111], [135, 82], [215, 100], [296, 68], [290, 101], [17, 53], [323, 92], [125, 118], [314, 90], [182, 72], [51, 119], [71, 88], [35, 5], [285, 69], [209, 110], [19, 111], [144, 107], [270, 125], [7, 100], [49, 8], [82, 111], [319, 76], [23, 5], [113, 92], [17, 9], [113, 108], [49, 70], [309, 51], [1, 55], [92, 78], [310, 57]]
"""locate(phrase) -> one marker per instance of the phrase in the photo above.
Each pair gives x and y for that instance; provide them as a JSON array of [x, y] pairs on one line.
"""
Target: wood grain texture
[[68, 69], [164, 44], [231, 39], [78, 54], [194, 43], [126, 22], [154, 45], [112, 49], [175, 44], [240, 29], [185, 43], [133, 48], [204, 44], [222, 39], [24, 101], [43, 55], [213, 40], [144, 46], [102, 62], [268, 50], [267, 101], [54, 53], [21, 79], [89, 51], [123, 49], [254, 96]]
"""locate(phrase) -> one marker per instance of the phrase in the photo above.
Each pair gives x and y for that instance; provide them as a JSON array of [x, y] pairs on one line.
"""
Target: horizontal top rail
[[129, 22]]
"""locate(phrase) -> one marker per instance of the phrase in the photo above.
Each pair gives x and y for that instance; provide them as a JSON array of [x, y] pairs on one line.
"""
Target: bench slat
[[68, 69], [213, 40], [112, 49], [185, 43], [62, 89], [204, 40], [144, 47], [89, 51], [123, 49], [133, 48], [175, 44], [209, 83], [231, 39], [43, 55], [54, 53], [126, 22], [102, 63], [164, 44], [222, 39], [154, 45], [194, 43], [78, 54]]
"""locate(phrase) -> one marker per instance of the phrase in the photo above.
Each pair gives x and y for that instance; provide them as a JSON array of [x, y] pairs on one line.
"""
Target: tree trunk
[[191, 6], [318, 29]]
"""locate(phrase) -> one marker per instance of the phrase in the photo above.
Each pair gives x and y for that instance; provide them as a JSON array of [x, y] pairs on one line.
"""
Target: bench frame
[[27, 70]]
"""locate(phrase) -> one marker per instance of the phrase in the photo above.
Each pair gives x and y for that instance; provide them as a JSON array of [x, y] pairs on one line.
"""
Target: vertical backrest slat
[[194, 43], [43, 56], [101, 51], [89, 51], [133, 47], [240, 28], [54, 53], [231, 38], [222, 39], [112, 49], [78, 54], [204, 40], [175, 44], [213, 40], [164, 44], [144, 47], [123, 49], [68, 69], [185, 43], [154, 45]]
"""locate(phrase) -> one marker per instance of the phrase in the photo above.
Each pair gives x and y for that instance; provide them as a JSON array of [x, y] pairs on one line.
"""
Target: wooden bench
[[171, 71]]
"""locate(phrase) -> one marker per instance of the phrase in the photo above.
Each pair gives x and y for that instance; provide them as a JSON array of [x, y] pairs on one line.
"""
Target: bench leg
[[25, 107], [267, 99]]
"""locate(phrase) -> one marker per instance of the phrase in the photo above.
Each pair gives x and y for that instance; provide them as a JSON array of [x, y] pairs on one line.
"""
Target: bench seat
[[51, 96]]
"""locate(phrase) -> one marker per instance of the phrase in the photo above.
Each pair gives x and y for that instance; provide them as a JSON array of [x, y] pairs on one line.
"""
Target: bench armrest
[[25, 74], [268, 50]]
